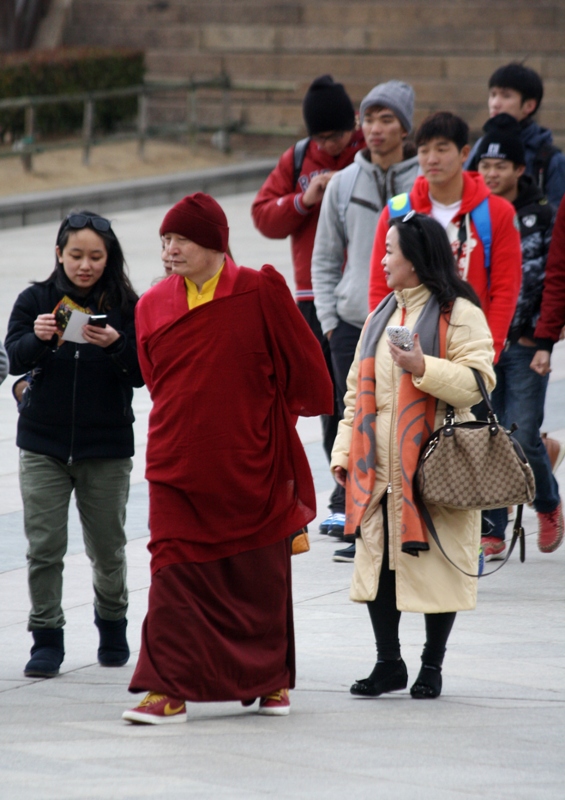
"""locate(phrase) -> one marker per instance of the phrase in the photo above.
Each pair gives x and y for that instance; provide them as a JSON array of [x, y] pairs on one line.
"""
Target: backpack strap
[[300, 149], [347, 178], [399, 205], [541, 164], [481, 219]]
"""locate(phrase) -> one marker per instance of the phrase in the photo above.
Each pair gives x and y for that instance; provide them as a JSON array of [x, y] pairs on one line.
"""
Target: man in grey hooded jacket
[[351, 207]]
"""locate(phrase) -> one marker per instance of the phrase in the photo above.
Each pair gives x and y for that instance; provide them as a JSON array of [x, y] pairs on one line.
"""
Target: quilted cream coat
[[429, 583]]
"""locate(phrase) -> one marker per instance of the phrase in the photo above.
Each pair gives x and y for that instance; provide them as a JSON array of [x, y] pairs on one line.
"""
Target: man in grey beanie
[[351, 207]]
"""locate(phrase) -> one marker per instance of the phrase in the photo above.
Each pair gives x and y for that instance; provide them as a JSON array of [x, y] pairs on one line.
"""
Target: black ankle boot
[[428, 683], [387, 676], [47, 653], [113, 650]]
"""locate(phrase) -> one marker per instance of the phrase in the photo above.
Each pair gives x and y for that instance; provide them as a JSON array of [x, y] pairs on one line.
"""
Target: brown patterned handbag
[[474, 465]]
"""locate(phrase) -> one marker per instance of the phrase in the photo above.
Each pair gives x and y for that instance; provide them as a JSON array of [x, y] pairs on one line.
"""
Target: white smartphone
[[400, 336]]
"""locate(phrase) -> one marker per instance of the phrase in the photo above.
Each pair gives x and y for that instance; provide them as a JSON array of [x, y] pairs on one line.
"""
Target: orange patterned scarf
[[415, 423]]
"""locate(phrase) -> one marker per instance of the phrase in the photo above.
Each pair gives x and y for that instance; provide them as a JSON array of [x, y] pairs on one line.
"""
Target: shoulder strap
[[347, 180], [517, 534], [300, 149], [541, 163], [399, 205], [481, 219]]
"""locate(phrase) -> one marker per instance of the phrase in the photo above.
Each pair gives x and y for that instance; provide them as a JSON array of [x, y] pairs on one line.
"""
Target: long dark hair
[[113, 289], [424, 243]]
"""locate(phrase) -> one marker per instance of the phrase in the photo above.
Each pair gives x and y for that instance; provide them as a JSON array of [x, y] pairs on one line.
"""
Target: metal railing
[[26, 147]]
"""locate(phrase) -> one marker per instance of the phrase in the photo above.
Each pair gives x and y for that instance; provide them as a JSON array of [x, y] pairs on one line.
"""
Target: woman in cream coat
[[420, 271]]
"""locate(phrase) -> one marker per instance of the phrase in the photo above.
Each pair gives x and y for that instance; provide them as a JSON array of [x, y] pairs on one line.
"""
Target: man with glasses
[[289, 202], [350, 211]]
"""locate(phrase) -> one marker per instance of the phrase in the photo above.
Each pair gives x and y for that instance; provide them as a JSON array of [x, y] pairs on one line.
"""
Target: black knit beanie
[[502, 140], [327, 107]]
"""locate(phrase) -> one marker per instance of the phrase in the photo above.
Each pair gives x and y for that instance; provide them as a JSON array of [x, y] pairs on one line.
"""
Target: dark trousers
[[385, 617], [329, 422], [343, 344]]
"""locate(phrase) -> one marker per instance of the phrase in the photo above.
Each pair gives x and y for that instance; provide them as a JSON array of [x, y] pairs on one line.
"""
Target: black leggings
[[385, 617]]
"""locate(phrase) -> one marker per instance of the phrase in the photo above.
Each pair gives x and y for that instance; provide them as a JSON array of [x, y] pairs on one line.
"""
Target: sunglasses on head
[[82, 220], [411, 216]]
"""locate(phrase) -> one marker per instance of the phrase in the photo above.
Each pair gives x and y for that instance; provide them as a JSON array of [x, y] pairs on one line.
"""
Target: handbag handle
[[491, 416]]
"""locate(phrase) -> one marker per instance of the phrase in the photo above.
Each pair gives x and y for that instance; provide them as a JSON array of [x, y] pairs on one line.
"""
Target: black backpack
[[300, 149]]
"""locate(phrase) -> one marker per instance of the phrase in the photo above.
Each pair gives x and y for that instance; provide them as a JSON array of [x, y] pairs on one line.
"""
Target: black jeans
[[329, 422], [342, 346], [385, 617]]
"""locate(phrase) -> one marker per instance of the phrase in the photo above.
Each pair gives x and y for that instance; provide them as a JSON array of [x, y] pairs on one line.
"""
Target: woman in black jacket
[[75, 431]]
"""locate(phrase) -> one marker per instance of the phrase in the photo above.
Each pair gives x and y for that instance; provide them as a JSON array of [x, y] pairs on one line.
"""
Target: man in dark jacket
[[519, 395], [518, 91]]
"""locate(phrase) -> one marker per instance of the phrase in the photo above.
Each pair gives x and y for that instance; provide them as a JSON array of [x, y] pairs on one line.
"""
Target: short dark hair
[[424, 243], [443, 125], [523, 80]]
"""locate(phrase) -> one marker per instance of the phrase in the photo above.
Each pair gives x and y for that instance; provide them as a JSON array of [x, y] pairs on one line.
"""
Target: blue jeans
[[519, 396]]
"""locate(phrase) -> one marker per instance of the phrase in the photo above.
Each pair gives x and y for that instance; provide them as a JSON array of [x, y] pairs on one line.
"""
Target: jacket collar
[[411, 299]]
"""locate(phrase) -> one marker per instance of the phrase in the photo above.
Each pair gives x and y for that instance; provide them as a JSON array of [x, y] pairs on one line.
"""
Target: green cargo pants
[[101, 489]]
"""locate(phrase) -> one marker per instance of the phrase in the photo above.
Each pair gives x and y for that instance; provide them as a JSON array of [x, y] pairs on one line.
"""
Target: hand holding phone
[[98, 320], [400, 336]]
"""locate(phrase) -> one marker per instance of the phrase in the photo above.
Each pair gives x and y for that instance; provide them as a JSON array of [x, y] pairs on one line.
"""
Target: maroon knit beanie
[[199, 218]]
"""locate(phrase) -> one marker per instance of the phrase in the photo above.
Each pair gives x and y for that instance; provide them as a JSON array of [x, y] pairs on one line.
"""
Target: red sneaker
[[157, 709], [493, 548], [550, 530], [555, 451], [276, 704]]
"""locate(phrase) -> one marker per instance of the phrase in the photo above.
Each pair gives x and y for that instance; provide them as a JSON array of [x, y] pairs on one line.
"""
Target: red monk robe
[[229, 482]]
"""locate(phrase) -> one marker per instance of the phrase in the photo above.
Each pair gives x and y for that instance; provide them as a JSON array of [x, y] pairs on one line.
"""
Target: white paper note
[[73, 331]]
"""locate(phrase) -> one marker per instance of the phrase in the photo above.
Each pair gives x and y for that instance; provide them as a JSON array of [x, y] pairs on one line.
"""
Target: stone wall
[[445, 49]]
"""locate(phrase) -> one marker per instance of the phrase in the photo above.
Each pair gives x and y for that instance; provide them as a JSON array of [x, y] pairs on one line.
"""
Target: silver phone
[[400, 336]]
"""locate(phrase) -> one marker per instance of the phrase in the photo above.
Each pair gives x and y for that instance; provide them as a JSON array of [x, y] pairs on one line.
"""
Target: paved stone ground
[[496, 732]]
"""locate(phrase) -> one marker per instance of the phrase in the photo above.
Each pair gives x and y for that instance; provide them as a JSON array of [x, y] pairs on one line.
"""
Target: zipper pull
[[77, 353], [70, 461], [389, 489]]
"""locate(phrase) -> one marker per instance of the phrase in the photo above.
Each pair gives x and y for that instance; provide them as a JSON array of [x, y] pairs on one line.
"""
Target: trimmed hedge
[[66, 70]]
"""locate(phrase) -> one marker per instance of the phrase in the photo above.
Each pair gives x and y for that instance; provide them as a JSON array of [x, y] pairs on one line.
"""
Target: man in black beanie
[[288, 204], [519, 395]]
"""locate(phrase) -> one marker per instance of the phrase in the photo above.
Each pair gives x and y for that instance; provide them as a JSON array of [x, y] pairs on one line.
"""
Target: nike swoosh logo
[[168, 711]]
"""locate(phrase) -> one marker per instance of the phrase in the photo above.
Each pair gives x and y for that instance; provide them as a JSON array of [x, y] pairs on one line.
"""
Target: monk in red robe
[[230, 364]]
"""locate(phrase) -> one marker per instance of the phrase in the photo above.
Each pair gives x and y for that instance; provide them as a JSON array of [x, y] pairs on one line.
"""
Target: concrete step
[[447, 49], [481, 38]]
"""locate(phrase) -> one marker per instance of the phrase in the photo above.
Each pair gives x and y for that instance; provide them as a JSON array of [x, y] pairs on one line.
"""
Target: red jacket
[[498, 300], [278, 212], [552, 314]]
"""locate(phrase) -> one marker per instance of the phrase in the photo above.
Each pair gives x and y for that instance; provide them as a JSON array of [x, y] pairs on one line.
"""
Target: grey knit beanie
[[397, 96]]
